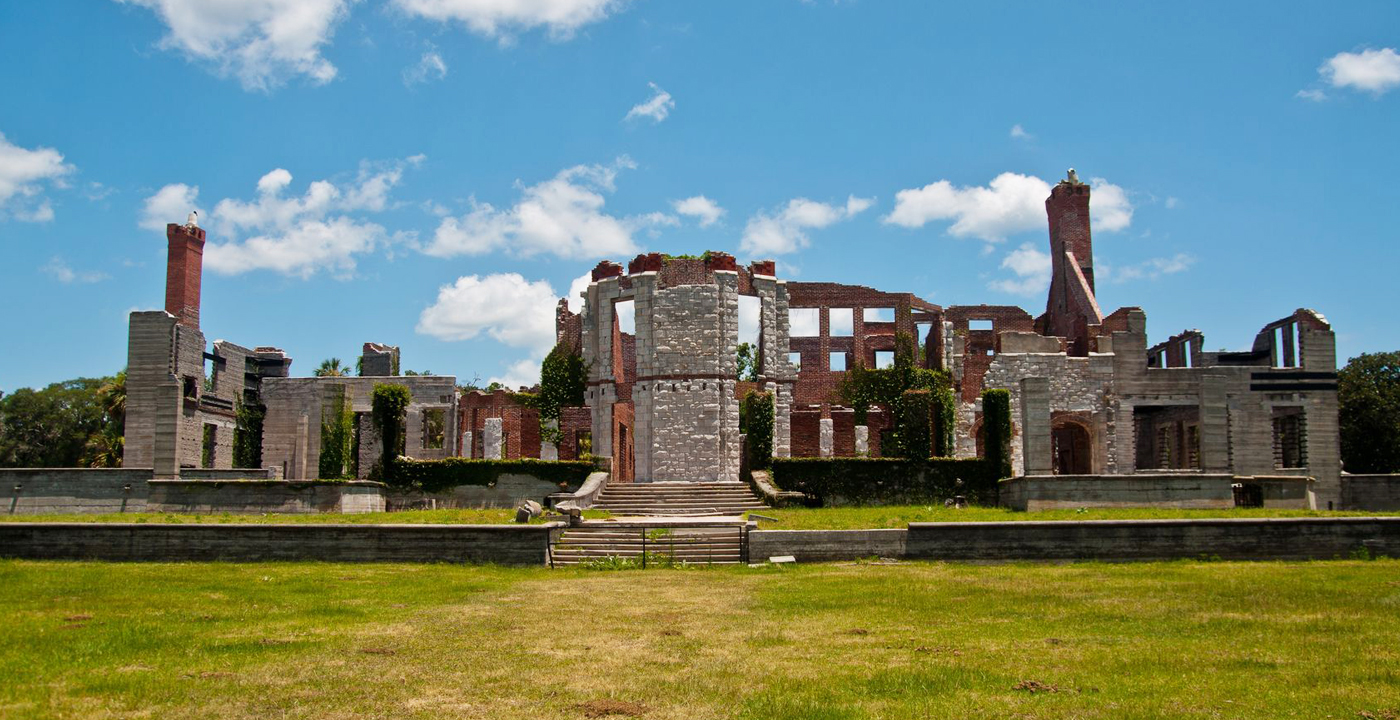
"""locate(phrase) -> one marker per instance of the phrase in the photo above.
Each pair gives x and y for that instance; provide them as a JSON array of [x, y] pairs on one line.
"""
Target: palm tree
[[331, 368]]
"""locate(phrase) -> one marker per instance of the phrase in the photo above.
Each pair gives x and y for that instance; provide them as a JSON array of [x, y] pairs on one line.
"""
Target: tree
[[106, 447], [331, 368], [746, 358], [53, 427], [1368, 391], [563, 378]]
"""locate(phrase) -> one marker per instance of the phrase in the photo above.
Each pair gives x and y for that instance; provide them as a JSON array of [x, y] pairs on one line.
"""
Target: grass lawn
[[915, 640]]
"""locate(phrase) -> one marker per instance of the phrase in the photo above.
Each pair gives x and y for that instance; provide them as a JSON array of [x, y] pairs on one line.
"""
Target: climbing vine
[[756, 412], [996, 429], [388, 410], [247, 435]]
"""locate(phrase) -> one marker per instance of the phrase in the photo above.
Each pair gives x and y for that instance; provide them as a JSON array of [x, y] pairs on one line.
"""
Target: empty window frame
[[625, 310], [842, 322], [979, 324], [795, 359], [434, 428], [837, 361], [884, 359], [879, 315], [804, 322], [1290, 438]]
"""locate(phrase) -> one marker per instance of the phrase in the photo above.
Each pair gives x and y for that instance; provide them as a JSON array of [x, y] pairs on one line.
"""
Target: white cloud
[[170, 204], [499, 18], [1172, 202], [430, 67], [23, 174], [562, 216], [1151, 269], [1373, 71], [505, 306], [1031, 270], [260, 42], [707, 211], [1019, 132], [657, 107], [65, 274], [1313, 95], [293, 235], [1011, 203], [576, 290], [785, 231], [1109, 209]]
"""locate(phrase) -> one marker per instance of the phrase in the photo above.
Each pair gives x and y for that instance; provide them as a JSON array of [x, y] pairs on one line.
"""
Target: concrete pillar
[[828, 437], [862, 440], [1215, 425], [549, 450], [300, 457], [165, 459], [1035, 426], [491, 439], [467, 444]]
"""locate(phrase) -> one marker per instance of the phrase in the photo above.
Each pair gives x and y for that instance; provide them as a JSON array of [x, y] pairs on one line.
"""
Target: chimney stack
[[184, 264], [1068, 210]]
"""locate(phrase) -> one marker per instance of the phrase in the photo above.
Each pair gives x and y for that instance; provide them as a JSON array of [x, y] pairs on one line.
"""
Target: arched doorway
[[1071, 449]]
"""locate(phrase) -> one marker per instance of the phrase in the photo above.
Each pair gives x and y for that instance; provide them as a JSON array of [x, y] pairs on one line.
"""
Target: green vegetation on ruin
[[910, 640]]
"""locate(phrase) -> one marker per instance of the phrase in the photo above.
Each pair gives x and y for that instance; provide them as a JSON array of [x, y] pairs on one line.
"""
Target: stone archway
[[1072, 447]]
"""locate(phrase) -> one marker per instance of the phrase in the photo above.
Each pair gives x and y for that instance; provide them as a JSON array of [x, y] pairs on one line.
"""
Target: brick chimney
[[1068, 209], [183, 265]]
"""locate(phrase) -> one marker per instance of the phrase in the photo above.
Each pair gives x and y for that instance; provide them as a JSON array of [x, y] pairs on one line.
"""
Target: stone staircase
[[677, 498], [650, 545]]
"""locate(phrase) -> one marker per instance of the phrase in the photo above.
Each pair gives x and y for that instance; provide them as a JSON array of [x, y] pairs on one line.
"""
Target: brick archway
[[1072, 446]]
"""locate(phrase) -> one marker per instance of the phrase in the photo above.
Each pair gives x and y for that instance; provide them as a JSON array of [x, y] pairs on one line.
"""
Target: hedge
[[996, 429], [913, 424], [888, 481], [442, 475], [757, 412]]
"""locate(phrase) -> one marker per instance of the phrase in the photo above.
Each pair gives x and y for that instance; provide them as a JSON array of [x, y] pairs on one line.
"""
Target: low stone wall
[[826, 545], [226, 475], [48, 491], [1379, 493], [159, 542], [249, 497], [761, 482], [1165, 490], [1226, 538], [508, 491]]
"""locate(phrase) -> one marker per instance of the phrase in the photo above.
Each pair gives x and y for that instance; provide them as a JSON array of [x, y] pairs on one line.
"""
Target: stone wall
[[508, 492], [1058, 492], [53, 491], [1370, 492], [1230, 539], [826, 545], [159, 542], [255, 497]]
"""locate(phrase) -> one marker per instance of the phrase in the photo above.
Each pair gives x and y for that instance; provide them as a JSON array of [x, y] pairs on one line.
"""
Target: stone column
[[1035, 426], [1215, 425], [491, 439], [827, 437], [549, 450], [862, 440], [467, 444]]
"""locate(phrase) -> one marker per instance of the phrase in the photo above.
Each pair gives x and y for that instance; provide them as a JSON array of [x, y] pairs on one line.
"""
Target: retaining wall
[[826, 545], [124, 542], [48, 491], [1227, 538], [1186, 490], [1371, 492], [247, 497], [508, 491]]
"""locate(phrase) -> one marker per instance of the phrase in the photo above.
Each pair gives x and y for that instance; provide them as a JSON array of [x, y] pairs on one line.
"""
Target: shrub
[[247, 435], [757, 415], [912, 428], [860, 388], [388, 409], [888, 481], [441, 475], [996, 429]]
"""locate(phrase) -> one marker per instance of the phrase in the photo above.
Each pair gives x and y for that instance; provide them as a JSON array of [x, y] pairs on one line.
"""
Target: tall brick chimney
[[183, 265], [1068, 210]]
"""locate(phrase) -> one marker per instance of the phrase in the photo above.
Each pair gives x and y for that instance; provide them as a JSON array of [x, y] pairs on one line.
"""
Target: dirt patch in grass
[[1035, 686], [378, 651], [608, 708]]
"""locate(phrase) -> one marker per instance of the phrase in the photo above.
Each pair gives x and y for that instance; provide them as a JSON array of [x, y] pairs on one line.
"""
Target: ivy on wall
[[337, 436], [247, 435], [996, 429], [756, 412], [389, 408], [913, 424], [862, 388]]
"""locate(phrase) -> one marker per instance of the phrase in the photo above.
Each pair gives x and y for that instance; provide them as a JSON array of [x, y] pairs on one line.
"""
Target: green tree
[[746, 358], [52, 427], [331, 368], [1368, 390], [563, 378], [388, 410]]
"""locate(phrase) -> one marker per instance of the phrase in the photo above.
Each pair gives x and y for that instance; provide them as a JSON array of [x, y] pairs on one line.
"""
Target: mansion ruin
[[1089, 394]]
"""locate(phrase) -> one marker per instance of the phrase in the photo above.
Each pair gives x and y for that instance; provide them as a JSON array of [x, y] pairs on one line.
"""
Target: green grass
[[479, 516], [898, 516], [915, 640]]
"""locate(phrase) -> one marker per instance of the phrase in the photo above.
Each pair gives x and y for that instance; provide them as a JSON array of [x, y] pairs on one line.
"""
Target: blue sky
[[430, 173]]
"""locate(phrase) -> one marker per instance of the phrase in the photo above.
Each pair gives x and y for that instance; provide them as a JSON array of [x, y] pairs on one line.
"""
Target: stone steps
[[678, 498], [717, 545]]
